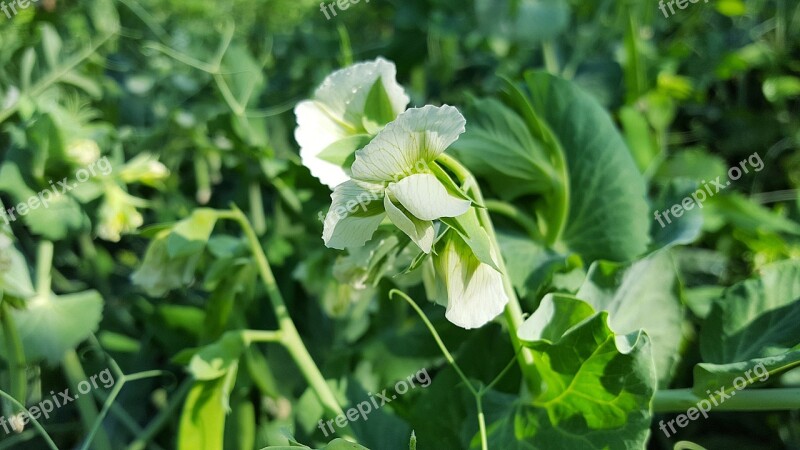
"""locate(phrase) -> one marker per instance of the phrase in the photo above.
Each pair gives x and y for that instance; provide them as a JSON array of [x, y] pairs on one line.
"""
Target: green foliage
[[582, 120]]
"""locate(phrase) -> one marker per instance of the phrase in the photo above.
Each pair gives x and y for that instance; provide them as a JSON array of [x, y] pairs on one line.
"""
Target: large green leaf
[[755, 318], [598, 385], [607, 212], [48, 325], [641, 295], [499, 147]]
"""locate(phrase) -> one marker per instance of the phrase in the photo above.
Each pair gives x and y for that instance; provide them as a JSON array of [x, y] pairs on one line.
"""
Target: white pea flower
[[471, 290], [118, 214], [144, 168], [83, 151], [347, 109], [392, 176]]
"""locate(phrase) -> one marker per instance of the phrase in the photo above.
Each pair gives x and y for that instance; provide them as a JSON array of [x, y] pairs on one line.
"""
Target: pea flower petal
[[356, 212], [424, 196], [336, 113], [474, 290], [416, 137], [422, 232]]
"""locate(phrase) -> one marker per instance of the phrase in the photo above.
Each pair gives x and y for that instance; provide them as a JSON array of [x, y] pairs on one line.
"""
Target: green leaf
[[48, 328], [202, 421], [741, 212], [159, 273], [530, 265], [639, 136], [378, 109], [598, 385], [755, 318], [607, 213], [499, 147], [711, 377], [641, 295], [668, 230], [215, 360], [190, 235], [15, 279]]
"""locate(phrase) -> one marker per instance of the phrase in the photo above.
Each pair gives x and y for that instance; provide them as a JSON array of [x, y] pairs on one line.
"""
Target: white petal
[[475, 293], [421, 232], [354, 216], [345, 91], [336, 112], [426, 197], [315, 132], [416, 137]]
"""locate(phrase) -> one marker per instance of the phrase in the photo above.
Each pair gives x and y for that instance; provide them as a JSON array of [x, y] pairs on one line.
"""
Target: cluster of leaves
[[191, 104]]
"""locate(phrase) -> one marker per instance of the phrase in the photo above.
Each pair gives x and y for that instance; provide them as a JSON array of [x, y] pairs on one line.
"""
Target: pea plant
[[422, 225]]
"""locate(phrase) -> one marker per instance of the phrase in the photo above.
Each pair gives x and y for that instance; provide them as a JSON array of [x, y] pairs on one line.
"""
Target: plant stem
[[549, 55], [478, 394], [88, 411], [15, 356], [513, 311], [44, 265], [679, 400], [36, 423], [290, 337]]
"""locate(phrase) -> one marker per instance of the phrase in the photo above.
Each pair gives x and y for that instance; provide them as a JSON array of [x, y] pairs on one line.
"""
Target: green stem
[[550, 59], [482, 422], [88, 411], [250, 336], [121, 380], [290, 337], [679, 400], [513, 311], [44, 265], [36, 423], [257, 208], [449, 357], [15, 355]]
